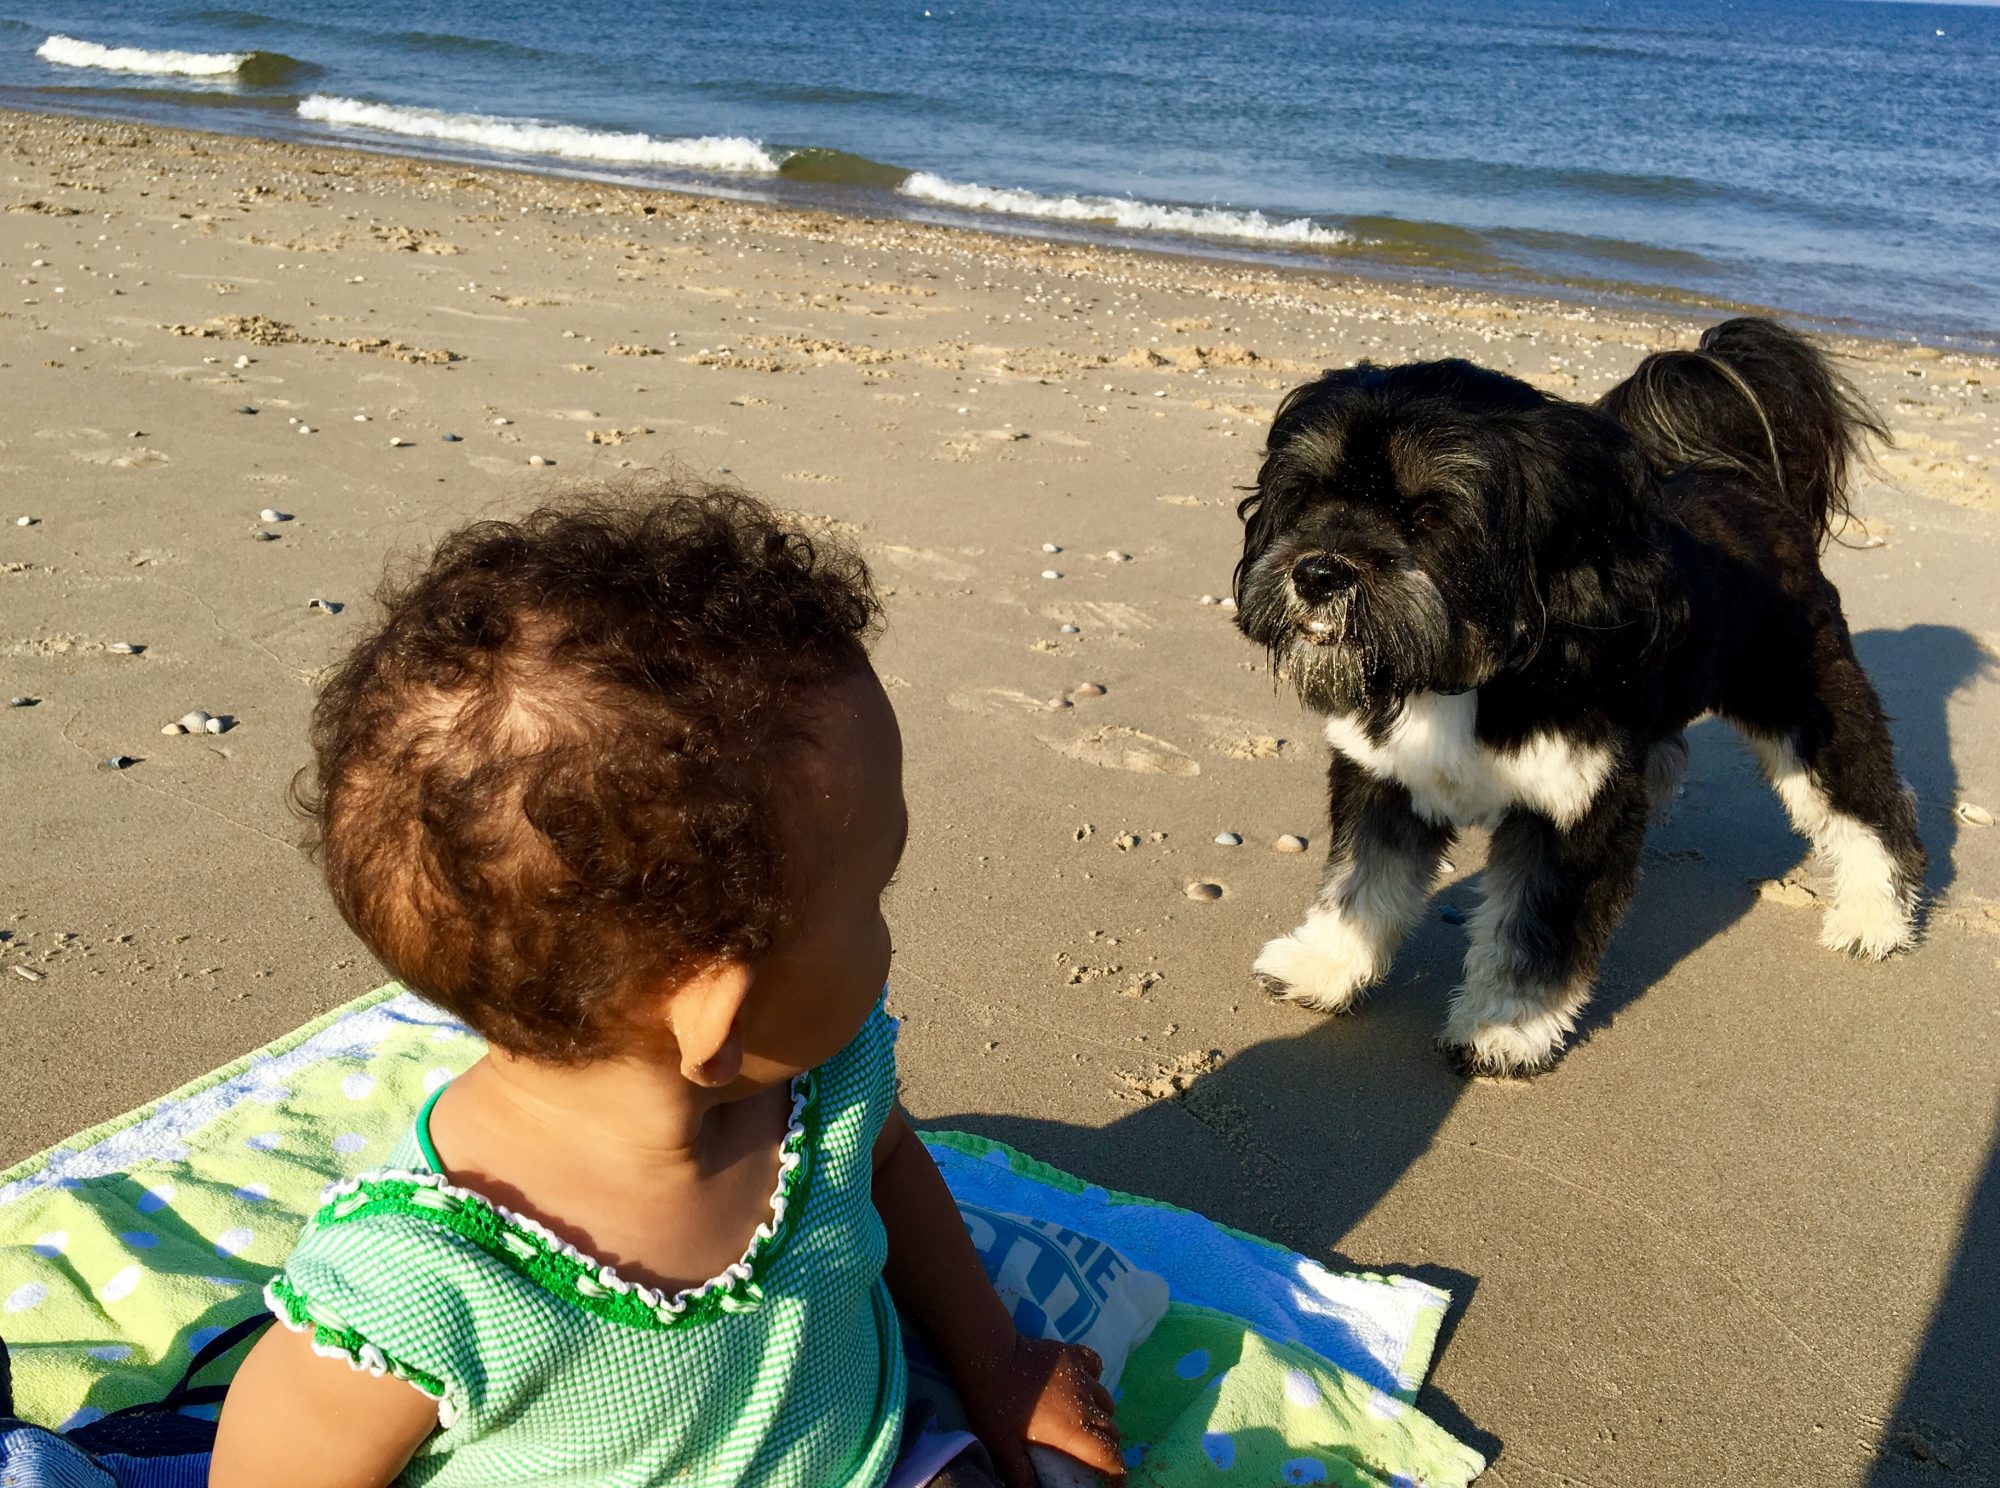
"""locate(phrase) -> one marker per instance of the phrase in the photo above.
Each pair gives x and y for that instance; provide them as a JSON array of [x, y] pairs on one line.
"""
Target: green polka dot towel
[[126, 1248]]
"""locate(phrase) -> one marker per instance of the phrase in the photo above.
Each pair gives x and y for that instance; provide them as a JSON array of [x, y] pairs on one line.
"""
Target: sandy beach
[[1749, 1228]]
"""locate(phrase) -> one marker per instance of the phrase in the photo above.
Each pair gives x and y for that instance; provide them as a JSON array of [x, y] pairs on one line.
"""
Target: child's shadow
[[1301, 1138]]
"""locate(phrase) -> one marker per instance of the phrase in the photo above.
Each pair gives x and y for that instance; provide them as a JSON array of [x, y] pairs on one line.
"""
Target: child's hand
[[1046, 1393]]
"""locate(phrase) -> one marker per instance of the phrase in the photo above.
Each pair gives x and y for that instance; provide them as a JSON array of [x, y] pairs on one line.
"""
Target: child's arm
[[1016, 1390], [294, 1418]]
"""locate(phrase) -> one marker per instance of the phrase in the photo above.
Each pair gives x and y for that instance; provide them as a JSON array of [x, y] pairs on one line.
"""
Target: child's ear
[[706, 1015]]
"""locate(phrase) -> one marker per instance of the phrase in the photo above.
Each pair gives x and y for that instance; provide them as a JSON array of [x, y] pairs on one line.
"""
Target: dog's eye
[[1425, 513]]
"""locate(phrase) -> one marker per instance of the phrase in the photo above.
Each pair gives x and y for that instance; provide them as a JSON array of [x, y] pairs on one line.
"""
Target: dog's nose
[[1317, 577]]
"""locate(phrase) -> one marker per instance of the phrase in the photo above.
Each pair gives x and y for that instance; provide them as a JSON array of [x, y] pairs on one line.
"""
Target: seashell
[[118, 762], [451, 439], [1977, 816], [1051, 547], [501, 423], [171, 729], [1289, 844], [125, 648], [1057, 704], [246, 408], [26, 974], [1088, 690], [361, 418], [1114, 556], [539, 460], [272, 514], [242, 362], [26, 521], [18, 701], [192, 723], [1203, 891], [1050, 573], [398, 442], [305, 428], [1228, 839], [1208, 599], [217, 725], [1069, 630], [325, 606], [1228, 603], [263, 536]]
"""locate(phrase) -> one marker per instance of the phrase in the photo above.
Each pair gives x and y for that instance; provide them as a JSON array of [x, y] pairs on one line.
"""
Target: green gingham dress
[[786, 1371]]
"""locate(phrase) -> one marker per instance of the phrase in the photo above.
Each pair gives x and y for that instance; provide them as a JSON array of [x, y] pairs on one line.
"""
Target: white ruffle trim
[[791, 1152], [369, 1359]]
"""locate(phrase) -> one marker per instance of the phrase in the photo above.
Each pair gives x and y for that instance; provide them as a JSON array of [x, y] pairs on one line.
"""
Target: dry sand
[[1728, 1239]]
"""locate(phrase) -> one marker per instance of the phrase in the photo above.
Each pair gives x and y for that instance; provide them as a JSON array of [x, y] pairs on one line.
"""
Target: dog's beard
[[1386, 638]]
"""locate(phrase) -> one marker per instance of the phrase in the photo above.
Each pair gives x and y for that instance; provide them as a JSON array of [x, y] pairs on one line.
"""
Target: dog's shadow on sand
[[1245, 1143]]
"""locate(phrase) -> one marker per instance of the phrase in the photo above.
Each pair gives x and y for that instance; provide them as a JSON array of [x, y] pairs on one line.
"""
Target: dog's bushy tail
[[1759, 397]]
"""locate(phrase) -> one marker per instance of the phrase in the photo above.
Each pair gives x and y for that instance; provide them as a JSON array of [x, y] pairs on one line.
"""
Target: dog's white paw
[[1489, 1031], [1322, 965], [1872, 924]]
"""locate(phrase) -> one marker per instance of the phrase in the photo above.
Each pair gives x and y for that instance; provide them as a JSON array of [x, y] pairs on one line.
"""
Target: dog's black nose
[[1317, 577]]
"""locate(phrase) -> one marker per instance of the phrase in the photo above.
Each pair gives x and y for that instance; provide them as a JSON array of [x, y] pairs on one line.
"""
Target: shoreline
[[1371, 263]]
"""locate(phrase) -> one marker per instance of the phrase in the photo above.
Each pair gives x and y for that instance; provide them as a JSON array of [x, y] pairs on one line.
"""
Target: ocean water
[[1837, 160]]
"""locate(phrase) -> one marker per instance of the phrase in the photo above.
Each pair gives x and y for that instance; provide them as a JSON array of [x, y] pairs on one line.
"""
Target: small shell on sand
[[1051, 547], [217, 726], [18, 701], [325, 606], [398, 442], [1203, 891], [262, 535], [171, 729], [125, 648], [1977, 816], [360, 418], [1069, 630], [26, 974], [1050, 573], [1228, 839], [1088, 690], [246, 408], [501, 423], [305, 428], [1289, 844], [1208, 599], [451, 439], [1115, 556], [193, 723], [26, 521], [540, 460], [1057, 704], [272, 514], [117, 762]]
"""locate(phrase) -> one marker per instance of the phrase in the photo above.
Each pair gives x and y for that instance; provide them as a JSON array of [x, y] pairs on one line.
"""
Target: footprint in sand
[[1108, 746], [928, 564]]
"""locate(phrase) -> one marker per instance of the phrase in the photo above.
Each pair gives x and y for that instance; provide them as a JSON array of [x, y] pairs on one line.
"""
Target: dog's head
[[1422, 528]]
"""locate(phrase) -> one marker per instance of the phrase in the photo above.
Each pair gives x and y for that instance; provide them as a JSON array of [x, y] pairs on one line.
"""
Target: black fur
[[1604, 574]]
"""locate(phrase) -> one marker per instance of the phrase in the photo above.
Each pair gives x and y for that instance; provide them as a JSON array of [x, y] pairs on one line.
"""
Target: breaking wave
[[1126, 212], [534, 137], [246, 67]]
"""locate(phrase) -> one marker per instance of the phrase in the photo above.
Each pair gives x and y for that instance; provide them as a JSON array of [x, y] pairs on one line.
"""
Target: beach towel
[[128, 1248]]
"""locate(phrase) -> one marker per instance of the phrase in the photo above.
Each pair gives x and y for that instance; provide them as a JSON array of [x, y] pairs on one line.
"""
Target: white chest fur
[[1434, 753]]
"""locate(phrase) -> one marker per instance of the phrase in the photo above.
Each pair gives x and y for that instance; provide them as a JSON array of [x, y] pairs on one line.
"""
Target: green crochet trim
[[538, 1255], [329, 1331]]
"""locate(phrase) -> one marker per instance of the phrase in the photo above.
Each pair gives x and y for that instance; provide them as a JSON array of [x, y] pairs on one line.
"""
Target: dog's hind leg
[[1380, 868], [1835, 770], [1553, 897]]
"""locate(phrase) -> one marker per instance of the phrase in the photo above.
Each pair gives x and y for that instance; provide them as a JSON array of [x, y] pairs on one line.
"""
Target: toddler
[[617, 786]]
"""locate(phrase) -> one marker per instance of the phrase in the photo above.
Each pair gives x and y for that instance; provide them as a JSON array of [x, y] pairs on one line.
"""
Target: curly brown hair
[[551, 770]]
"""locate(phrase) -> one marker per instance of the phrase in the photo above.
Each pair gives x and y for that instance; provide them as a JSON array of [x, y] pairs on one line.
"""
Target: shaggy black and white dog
[[1509, 607]]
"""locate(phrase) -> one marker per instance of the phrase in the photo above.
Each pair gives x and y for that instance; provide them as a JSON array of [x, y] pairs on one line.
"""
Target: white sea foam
[[1123, 212], [533, 137], [67, 51]]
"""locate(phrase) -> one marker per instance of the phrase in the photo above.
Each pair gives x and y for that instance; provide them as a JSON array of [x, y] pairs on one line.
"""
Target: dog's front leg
[[1379, 871], [1553, 896]]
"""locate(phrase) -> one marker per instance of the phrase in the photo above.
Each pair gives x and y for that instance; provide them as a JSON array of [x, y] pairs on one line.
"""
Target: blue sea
[[1837, 160]]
